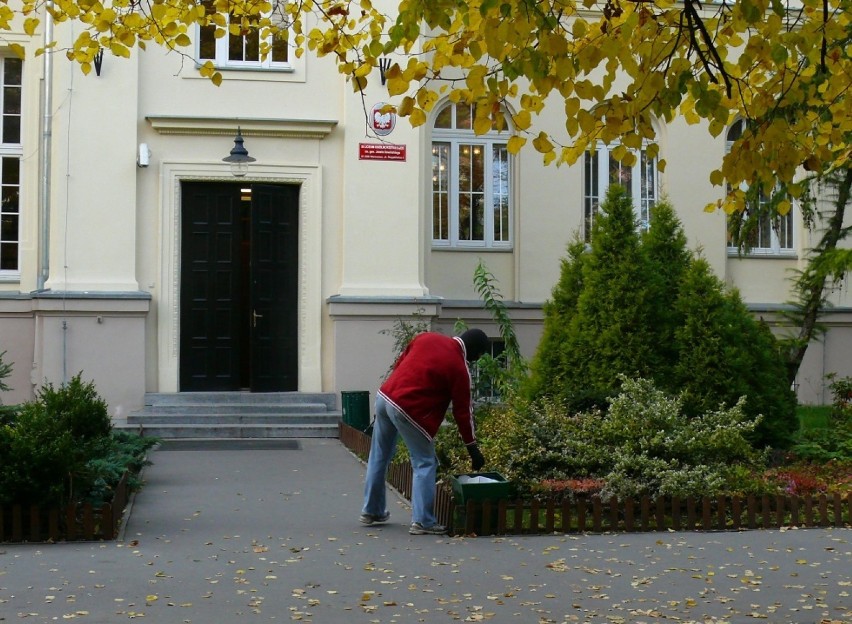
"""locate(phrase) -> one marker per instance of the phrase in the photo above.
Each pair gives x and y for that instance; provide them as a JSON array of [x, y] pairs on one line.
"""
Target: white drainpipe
[[46, 142]]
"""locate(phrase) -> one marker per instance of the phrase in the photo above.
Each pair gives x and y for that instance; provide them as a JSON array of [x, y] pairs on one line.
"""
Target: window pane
[[11, 171], [235, 48], [648, 189], [478, 218], [785, 231], [11, 129], [252, 45], [464, 116], [471, 193], [12, 100], [10, 199], [207, 43], [592, 192], [8, 257], [12, 71], [9, 228], [280, 50], [465, 218], [445, 117], [440, 191], [500, 192], [619, 174]]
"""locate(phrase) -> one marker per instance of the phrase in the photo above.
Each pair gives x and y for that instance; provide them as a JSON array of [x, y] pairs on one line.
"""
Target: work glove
[[476, 458]]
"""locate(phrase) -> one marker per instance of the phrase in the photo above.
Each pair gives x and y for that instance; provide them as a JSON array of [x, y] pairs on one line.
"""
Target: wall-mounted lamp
[[143, 156], [384, 66], [99, 61], [239, 158]]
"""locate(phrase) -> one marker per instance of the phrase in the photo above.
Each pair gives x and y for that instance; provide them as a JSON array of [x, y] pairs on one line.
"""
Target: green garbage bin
[[495, 488], [356, 409]]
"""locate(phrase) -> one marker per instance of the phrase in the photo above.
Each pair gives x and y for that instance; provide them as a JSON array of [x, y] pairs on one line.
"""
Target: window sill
[[763, 255], [474, 249], [255, 74]]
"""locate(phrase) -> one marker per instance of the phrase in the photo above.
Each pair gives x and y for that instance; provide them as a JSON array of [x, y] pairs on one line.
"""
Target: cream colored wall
[[93, 193], [450, 273]]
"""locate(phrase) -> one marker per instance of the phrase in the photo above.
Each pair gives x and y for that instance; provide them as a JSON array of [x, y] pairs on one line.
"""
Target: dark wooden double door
[[239, 287]]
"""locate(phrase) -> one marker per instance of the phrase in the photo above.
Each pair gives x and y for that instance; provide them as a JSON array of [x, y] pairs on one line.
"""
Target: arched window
[[471, 183], [601, 169], [763, 232]]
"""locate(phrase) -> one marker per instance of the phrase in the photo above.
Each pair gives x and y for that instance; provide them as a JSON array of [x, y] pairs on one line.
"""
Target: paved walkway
[[272, 535]]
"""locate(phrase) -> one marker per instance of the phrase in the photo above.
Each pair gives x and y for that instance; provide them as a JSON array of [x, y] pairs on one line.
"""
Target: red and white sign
[[382, 123], [381, 151]]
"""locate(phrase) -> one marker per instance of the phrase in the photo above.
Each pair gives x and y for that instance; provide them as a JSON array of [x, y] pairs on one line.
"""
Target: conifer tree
[[725, 353], [611, 330], [665, 247]]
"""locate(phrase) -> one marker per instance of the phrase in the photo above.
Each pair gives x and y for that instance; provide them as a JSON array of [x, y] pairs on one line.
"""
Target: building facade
[[133, 255]]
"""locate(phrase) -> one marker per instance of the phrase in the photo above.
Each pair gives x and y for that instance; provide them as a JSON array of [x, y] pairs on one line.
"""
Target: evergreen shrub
[[60, 448], [640, 305]]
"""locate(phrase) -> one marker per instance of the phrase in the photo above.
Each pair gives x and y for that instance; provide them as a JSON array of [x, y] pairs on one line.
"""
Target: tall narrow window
[[243, 49], [761, 232], [11, 150], [601, 170], [471, 183]]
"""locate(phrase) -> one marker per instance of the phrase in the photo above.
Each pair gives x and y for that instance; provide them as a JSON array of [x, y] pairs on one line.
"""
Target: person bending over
[[431, 373]]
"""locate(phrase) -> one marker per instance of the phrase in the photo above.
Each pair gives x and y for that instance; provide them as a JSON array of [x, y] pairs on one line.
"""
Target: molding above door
[[250, 127]]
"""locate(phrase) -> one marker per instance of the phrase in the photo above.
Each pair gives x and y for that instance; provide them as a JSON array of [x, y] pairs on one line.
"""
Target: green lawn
[[813, 416]]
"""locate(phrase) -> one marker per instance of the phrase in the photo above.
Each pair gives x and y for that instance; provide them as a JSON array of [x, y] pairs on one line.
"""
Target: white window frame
[[766, 229], [222, 58], [446, 182], [596, 184], [11, 151]]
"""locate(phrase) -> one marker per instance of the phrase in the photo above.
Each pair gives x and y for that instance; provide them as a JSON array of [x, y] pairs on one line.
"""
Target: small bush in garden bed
[[834, 441], [60, 449]]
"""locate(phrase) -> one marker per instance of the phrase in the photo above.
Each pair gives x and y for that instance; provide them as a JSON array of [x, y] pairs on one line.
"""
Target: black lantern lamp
[[239, 158]]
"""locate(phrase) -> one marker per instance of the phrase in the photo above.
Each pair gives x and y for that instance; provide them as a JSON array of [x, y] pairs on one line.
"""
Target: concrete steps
[[236, 415]]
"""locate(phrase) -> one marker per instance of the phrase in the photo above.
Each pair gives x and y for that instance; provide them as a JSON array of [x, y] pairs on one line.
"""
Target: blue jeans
[[388, 426]]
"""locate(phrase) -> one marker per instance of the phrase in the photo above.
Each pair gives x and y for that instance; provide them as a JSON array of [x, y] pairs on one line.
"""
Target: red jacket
[[431, 373]]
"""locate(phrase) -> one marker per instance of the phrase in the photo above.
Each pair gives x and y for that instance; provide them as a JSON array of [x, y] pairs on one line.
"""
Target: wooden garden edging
[[72, 523], [592, 515]]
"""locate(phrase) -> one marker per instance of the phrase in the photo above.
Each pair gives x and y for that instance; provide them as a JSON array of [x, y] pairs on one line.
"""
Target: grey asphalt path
[[272, 535]]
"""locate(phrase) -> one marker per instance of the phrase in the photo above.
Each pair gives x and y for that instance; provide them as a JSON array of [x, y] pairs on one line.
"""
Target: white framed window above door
[[240, 44]]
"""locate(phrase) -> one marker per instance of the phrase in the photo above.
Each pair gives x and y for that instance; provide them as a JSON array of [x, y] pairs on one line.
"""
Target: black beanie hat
[[475, 343]]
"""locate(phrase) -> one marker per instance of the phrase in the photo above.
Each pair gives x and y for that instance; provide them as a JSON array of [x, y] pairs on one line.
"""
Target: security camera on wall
[[143, 158]]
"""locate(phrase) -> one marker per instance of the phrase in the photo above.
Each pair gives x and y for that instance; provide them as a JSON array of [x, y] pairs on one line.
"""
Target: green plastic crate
[[464, 492]]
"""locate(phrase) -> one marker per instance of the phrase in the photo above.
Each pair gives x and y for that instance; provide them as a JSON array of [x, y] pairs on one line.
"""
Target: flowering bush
[[642, 445]]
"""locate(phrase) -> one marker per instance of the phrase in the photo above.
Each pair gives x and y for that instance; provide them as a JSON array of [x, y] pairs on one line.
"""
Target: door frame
[[310, 302]]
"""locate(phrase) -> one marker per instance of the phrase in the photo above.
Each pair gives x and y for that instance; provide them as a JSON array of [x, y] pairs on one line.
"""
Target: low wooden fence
[[71, 523], [593, 515]]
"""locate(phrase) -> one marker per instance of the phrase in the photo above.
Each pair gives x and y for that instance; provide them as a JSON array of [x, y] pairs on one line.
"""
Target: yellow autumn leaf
[[18, 50], [417, 117], [522, 120], [482, 125], [515, 144]]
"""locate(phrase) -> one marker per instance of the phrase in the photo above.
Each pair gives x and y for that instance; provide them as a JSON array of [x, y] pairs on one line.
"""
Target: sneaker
[[418, 529], [369, 519]]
